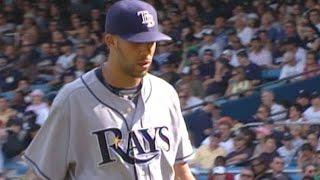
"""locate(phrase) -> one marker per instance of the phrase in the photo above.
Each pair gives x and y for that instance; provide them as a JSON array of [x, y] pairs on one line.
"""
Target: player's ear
[[110, 40]]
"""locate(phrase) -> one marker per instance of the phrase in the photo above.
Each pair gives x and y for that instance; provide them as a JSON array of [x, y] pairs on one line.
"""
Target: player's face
[[134, 59]]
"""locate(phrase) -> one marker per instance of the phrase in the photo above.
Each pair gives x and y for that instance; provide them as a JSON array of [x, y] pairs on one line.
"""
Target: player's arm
[[182, 172]]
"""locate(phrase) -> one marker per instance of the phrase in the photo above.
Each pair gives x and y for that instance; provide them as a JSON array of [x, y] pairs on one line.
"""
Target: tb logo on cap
[[147, 18]]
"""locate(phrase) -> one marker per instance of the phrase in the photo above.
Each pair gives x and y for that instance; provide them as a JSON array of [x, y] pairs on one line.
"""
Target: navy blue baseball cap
[[134, 21]]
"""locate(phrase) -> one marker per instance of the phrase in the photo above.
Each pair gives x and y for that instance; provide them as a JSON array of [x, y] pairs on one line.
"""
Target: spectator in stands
[[67, 77], [57, 15], [38, 106], [291, 67], [224, 125], [46, 61], [10, 53], [52, 27], [226, 140], [5, 28], [244, 32], [209, 12], [210, 43], [306, 155], [296, 132], [218, 84], [267, 20], [292, 45], [303, 99], [277, 111], [289, 30], [29, 29], [265, 41], [260, 168], [311, 40], [5, 111], [269, 150], [163, 52], [58, 37], [207, 153], [219, 171], [295, 113], [168, 71], [196, 87], [259, 55], [79, 66], [261, 133], [65, 61], [308, 171], [16, 141], [252, 71], [184, 91], [313, 16], [83, 35], [55, 51], [18, 102], [313, 112], [3, 62], [241, 152], [235, 46], [95, 15], [313, 140], [207, 66], [168, 28], [76, 25], [92, 54], [28, 60], [311, 66], [261, 115], [277, 167], [227, 55], [317, 163], [238, 84], [287, 151], [245, 174], [9, 77], [222, 30]]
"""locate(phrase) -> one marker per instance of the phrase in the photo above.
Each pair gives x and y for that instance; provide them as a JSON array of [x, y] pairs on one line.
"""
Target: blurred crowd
[[221, 48]]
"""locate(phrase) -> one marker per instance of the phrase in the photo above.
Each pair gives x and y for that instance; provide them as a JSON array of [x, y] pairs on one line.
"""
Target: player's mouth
[[144, 64]]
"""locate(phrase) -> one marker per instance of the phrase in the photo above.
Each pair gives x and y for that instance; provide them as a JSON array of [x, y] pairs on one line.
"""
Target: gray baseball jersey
[[91, 133]]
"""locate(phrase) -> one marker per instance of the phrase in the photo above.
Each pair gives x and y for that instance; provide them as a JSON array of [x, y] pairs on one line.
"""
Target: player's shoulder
[[71, 88]]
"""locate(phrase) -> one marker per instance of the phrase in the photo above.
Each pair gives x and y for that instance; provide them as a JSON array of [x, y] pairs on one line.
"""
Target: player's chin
[[142, 74], [139, 74]]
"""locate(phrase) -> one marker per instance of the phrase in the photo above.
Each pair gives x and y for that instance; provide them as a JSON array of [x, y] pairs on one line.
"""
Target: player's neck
[[116, 78]]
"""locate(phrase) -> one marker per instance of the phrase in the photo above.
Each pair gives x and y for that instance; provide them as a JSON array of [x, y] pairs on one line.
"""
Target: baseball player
[[116, 121]]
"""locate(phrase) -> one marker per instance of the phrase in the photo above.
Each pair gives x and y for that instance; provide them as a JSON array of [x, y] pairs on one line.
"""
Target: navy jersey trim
[[185, 157], [92, 93], [36, 166], [118, 91], [150, 91]]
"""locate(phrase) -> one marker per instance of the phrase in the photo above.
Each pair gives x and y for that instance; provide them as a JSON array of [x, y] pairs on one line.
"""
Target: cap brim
[[145, 37]]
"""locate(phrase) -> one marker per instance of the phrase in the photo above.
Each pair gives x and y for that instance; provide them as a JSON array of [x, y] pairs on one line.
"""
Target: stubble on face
[[128, 66], [129, 56]]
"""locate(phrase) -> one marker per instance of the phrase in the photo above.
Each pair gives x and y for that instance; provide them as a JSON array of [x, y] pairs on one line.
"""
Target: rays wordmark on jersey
[[135, 151]]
